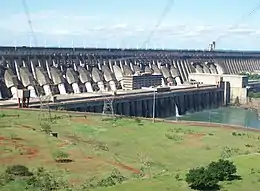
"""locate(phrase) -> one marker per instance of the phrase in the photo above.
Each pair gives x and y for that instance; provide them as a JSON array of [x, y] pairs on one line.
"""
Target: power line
[[26, 11], [254, 10], [168, 7]]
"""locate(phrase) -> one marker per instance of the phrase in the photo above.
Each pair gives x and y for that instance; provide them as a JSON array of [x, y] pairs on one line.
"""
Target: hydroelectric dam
[[136, 82]]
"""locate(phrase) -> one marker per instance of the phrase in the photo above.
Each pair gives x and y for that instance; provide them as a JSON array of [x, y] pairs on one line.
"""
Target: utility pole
[[154, 98]]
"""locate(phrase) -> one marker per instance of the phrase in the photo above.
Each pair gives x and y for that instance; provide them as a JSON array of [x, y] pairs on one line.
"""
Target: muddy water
[[226, 115]]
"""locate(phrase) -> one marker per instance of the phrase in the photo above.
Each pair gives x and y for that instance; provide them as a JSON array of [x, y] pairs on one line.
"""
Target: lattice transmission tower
[[108, 107]]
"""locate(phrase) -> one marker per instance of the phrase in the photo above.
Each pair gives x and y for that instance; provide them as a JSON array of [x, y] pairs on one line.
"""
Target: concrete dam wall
[[142, 105], [48, 71]]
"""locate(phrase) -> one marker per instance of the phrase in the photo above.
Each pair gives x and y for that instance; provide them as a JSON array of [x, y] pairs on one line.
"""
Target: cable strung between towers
[[252, 11], [166, 10], [26, 11]]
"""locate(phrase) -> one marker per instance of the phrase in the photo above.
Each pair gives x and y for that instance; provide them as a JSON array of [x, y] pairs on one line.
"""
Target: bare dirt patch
[[116, 164], [196, 135], [194, 140], [23, 151], [3, 138], [76, 139], [83, 120]]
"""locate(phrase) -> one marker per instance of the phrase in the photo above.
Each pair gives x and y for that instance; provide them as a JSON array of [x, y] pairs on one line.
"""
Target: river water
[[226, 115]]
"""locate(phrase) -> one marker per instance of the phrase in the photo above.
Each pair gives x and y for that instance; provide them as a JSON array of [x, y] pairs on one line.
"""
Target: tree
[[201, 179], [222, 169]]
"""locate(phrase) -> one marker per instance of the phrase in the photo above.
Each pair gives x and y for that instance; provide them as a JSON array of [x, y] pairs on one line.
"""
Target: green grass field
[[161, 151]]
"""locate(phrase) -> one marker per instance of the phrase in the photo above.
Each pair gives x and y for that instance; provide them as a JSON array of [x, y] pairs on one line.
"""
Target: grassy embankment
[[163, 152]]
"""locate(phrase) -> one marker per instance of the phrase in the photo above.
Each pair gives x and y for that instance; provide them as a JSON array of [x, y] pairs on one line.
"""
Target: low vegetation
[[118, 154], [206, 178], [252, 94], [251, 76]]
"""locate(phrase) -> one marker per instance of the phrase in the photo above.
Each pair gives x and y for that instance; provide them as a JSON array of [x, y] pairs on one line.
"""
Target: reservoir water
[[225, 115]]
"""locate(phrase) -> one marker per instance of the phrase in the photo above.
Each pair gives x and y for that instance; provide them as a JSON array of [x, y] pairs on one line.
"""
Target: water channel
[[225, 115]]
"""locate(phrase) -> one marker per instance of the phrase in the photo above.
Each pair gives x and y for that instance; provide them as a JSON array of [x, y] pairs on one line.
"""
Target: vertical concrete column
[[195, 101], [75, 88], [200, 100], [157, 108], [190, 102], [146, 111], [180, 105], [150, 107], [204, 100], [172, 106], [211, 98], [139, 108], [132, 108], [62, 89], [126, 108], [118, 108], [166, 107]]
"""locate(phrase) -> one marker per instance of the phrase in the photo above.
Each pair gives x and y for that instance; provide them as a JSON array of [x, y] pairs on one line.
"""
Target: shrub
[[46, 181], [207, 178], [113, 179], [46, 127], [6, 178], [222, 169], [174, 137], [201, 179], [18, 170], [62, 157]]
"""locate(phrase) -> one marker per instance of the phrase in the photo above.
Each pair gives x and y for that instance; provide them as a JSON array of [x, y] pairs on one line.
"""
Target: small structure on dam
[[235, 86], [138, 81]]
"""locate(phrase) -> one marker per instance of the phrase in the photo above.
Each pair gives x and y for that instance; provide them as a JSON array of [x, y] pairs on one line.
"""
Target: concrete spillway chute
[[26, 77], [136, 69], [156, 70], [148, 70], [213, 69], [199, 68], [72, 79], [127, 70], [206, 68], [58, 80], [174, 72], [28, 81], [85, 78], [118, 73], [43, 80], [175, 75], [219, 69], [107, 73], [165, 72], [11, 82], [109, 78], [97, 78]]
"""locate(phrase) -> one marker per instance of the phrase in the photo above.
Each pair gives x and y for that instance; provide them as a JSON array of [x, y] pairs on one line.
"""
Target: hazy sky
[[127, 23]]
